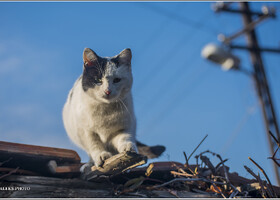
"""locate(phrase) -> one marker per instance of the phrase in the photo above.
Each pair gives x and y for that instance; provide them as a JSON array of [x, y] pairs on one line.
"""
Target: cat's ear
[[90, 58], [124, 57]]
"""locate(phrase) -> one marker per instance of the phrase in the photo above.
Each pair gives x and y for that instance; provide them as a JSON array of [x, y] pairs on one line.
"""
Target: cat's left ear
[[90, 58], [124, 57]]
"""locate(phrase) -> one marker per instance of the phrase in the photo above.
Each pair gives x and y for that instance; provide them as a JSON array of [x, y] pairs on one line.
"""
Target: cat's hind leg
[[86, 168]]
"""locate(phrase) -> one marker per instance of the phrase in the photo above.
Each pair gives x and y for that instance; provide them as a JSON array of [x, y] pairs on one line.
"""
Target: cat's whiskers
[[120, 106], [125, 107]]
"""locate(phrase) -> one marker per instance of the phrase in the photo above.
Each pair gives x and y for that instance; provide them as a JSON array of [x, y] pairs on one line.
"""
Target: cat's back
[[69, 107], [72, 97]]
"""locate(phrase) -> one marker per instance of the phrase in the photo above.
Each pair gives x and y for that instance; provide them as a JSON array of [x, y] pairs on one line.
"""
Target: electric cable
[[181, 19], [169, 83], [170, 54], [193, 84]]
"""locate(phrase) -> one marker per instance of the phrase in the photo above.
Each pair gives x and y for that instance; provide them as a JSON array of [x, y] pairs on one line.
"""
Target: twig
[[129, 192], [261, 185], [225, 171], [264, 173], [275, 161], [222, 162], [19, 171], [181, 170], [214, 168], [245, 193], [273, 157], [181, 174], [188, 179], [135, 194], [191, 170], [278, 142], [197, 146], [186, 158], [174, 193], [251, 172], [221, 177], [152, 179], [268, 189], [218, 190], [235, 189], [233, 194], [196, 158], [11, 172], [2, 163], [207, 161]]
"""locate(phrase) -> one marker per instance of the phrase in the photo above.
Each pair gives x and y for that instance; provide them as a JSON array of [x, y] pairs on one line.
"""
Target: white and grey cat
[[98, 114]]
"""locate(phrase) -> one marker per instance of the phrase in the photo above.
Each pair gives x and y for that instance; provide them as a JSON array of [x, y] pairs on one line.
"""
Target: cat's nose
[[108, 92]]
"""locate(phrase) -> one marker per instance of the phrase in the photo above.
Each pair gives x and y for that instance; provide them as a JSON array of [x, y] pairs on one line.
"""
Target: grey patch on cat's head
[[94, 67], [110, 74], [124, 58]]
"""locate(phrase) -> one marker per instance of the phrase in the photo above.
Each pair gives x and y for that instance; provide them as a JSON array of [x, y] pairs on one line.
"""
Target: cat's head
[[107, 79]]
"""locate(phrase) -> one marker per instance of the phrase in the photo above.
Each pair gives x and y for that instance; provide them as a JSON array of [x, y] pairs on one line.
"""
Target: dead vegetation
[[52, 172]]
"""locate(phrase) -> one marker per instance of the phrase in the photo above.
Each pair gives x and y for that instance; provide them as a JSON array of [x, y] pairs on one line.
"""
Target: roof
[[36, 171]]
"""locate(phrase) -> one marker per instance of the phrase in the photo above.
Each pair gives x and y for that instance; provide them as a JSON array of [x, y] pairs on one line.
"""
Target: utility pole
[[259, 74], [261, 84]]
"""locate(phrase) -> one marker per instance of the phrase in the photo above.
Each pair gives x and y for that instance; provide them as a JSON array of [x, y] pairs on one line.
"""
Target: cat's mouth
[[109, 98]]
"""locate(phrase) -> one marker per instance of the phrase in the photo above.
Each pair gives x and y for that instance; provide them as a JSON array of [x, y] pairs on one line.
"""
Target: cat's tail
[[150, 151]]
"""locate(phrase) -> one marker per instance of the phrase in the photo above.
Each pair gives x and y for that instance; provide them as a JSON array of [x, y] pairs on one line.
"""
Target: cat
[[98, 114]]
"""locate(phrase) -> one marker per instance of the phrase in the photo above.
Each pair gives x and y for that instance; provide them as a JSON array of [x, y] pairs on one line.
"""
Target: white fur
[[100, 126]]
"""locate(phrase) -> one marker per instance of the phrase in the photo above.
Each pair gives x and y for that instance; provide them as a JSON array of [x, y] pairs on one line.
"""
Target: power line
[[181, 19], [156, 34], [153, 37], [179, 73], [195, 82], [238, 128], [163, 62], [171, 81]]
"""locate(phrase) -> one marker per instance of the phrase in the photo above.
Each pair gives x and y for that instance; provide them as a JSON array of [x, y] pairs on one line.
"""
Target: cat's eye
[[98, 81], [116, 80]]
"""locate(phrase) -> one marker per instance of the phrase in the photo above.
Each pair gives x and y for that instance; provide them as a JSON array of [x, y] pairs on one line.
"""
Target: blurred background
[[179, 97]]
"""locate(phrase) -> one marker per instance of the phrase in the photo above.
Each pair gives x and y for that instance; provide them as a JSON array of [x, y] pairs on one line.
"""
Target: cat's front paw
[[129, 146], [99, 160]]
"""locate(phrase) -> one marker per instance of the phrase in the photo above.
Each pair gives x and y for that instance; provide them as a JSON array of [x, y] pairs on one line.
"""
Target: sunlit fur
[[102, 125], [118, 90]]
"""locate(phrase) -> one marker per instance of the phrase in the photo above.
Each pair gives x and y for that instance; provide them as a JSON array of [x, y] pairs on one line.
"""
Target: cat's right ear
[[90, 58]]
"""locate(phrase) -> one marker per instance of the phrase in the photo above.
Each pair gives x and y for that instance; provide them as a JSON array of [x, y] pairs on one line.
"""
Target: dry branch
[[11, 172], [19, 171], [119, 163], [264, 173], [197, 147]]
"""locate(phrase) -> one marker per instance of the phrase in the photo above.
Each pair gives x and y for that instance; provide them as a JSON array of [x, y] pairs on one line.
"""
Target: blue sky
[[179, 97]]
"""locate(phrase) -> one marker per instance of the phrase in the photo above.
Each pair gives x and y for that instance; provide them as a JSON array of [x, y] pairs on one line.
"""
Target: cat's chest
[[109, 118]]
